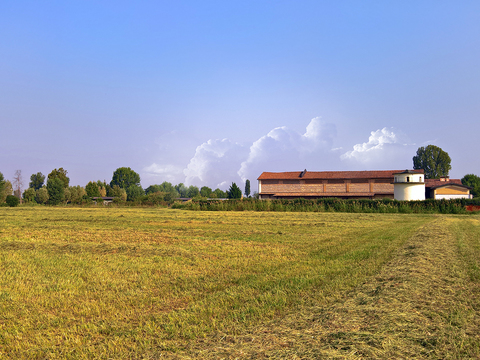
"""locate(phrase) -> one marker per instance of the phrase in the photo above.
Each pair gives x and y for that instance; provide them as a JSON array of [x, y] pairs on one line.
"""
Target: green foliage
[[134, 192], [234, 192], [192, 191], [36, 181], [92, 189], [182, 190], [433, 160], [431, 206], [205, 191], [125, 178], [472, 181], [7, 189], [41, 195], [12, 200], [56, 191], [29, 195], [2, 183], [75, 194], [247, 188], [166, 188], [118, 193], [61, 174], [220, 194]]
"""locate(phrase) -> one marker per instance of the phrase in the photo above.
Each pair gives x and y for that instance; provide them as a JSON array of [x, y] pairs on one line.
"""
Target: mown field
[[124, 283]]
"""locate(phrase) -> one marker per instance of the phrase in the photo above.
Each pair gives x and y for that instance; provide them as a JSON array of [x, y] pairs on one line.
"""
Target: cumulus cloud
[[283, 148], [215, 163], [167, 172], [384, 149]]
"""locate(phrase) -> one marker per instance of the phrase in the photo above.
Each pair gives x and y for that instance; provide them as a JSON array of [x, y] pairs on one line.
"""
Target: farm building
[[446, 188], [383, 184]]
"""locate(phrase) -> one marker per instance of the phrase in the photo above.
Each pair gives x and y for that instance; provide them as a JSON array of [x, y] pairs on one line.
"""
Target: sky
[[213, 92]]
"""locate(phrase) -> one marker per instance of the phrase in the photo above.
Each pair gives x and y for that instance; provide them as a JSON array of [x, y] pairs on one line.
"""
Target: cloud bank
[[384, 149], [218, 163]]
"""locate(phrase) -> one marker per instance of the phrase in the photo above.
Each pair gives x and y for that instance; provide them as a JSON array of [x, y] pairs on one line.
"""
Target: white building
[[409, 185]]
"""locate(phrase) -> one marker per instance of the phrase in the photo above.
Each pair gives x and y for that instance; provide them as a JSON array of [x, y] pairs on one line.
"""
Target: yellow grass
[[149, 283]]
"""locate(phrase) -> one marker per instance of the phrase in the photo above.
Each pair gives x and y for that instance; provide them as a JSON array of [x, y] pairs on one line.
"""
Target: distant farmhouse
[[384, 184]]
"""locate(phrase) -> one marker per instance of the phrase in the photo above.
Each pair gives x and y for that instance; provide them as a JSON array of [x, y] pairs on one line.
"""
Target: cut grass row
[[144, 283]]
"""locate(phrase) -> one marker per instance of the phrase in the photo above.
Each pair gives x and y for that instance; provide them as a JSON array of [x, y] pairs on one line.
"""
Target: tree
[[12, 200], [125, 177], [61, 174], [7, 190], [134, 192], [29, 195], [182, 190], [56, 191], [36, 181], [220, 194], [192, 191], [205, 191], [92, 189], [433, 160], [247, 188], [2, 187], [18, 184], [118, 193], [472, 181], [76, 194], [41, 195], [234, 192]]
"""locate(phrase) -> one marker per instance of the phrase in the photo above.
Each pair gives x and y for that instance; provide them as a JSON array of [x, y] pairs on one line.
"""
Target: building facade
[[340, 184]]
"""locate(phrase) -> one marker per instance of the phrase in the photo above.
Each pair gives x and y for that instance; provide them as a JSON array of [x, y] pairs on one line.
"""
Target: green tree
[[2, 187], [92, 189], [125, 177], [220, 194], [7, 190], [182, 190], [118, 193], [77, 194], [134, 192], [29, 195], [36, 181], [12, 200], [41, 195], [56, 190], [472, 181], [234, 192], [192, 191], [153, 189], [433, 160], [205, 191], [60, 174], [247, 188]]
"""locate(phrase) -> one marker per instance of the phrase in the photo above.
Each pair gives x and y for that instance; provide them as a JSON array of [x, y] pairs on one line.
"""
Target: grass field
[[121, 283]]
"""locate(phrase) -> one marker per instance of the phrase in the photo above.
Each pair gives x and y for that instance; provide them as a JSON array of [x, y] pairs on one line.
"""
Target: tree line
[[124, 187]]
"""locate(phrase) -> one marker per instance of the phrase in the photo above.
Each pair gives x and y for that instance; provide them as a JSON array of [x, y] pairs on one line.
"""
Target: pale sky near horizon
[[215, 92]]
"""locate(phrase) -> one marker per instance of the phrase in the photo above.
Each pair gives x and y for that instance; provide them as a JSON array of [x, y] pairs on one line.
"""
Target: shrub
[[12, 201]]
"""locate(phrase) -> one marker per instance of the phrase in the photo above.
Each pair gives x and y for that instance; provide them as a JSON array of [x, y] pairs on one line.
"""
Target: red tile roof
[[435, 183], [323, 175]]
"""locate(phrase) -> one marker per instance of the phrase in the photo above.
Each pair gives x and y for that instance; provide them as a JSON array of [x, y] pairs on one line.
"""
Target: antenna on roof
[[302, 174]]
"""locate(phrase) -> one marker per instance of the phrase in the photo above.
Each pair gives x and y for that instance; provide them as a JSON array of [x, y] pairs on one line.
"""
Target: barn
[[369, 184], [318, 184]]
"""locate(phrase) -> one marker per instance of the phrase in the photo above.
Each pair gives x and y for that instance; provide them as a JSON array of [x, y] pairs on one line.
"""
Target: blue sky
[[210, 92]]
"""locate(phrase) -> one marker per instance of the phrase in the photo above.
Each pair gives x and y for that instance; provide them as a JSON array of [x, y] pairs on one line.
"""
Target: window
[[408, 178]]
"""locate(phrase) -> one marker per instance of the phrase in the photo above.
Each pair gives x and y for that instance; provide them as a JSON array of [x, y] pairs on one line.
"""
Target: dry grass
[[151, 283]]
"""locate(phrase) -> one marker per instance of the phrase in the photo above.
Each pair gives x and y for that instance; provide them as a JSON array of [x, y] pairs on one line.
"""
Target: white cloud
[[160, 173], [215, 163], [283, 149], [384, 149]]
